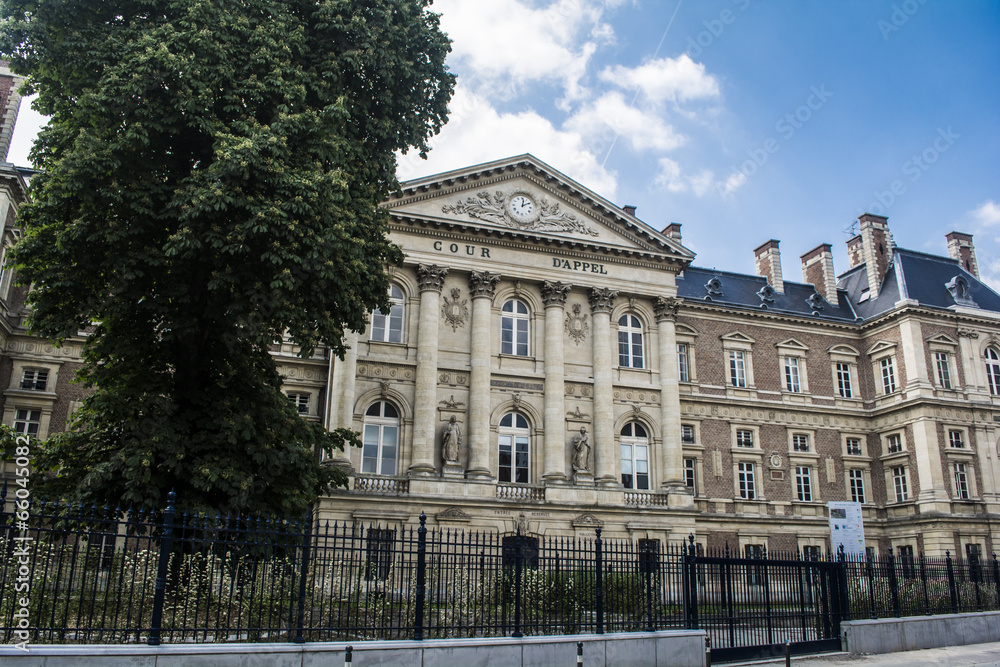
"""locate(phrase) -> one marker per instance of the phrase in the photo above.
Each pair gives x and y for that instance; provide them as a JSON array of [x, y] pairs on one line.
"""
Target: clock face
[[521, 207]]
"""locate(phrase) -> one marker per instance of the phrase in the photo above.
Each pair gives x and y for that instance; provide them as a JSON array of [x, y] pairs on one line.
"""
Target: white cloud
[[477, 133], [733, 183], [665, 79], [645, 130], [501, 47], [671, 178], [987, 214]]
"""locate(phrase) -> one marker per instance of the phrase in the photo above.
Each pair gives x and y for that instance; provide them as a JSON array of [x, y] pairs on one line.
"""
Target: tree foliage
[[209, 181]]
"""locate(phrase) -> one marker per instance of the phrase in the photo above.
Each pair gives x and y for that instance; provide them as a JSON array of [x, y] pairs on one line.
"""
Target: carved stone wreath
[[576, 325], [492, 207], [455, 312]]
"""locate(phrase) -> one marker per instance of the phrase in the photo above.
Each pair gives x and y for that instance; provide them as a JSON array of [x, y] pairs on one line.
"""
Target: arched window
[[514, 328], [993, 370], [635, 457], [389, 328], [381, 439], [630, 342], [514, 448]]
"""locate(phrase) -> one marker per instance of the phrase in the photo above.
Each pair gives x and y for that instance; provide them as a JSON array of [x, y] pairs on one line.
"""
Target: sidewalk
[[972, 655]]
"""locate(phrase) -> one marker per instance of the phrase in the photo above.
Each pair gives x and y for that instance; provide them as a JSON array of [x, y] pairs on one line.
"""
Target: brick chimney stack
[[673, 230], [768, 260], [960, 247], [876, 248], [629, 209], [817, 270], [854, 254]]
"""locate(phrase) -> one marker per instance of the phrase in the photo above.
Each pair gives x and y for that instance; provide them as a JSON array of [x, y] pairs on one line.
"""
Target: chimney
[[876, 248], [629, 209], [10, 102], [673, 230], [817, 270], [960, 247], [768, 260], [854, 254]]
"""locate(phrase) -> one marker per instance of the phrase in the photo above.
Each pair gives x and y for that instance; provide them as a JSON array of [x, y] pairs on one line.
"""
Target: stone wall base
[[889, 635]]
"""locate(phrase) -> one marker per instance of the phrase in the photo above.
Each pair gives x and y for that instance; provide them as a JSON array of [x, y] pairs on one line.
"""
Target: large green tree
[[210, 181]]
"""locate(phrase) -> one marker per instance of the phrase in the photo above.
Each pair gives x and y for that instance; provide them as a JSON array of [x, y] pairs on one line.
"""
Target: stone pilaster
[[671, 455], [554, 297], [431, 280], [607, 459], [342, 389], [481, 287]]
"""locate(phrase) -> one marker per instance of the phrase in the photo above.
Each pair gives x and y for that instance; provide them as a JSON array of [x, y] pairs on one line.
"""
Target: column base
[[453, 471], [555, 478], [611, 482], [583, 478], [339, 462], [421, 470], [478, 473]]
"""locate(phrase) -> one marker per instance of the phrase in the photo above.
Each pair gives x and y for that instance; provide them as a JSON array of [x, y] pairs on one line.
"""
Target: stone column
[[431, 280], [481, 286], [340, 403], [671, 455], [606, 457], [554, 297]]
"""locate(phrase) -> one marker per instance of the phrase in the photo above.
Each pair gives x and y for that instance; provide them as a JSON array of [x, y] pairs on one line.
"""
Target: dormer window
[[34, 379]]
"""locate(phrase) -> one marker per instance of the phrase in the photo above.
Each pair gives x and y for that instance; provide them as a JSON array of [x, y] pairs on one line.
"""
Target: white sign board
[[846, 527]]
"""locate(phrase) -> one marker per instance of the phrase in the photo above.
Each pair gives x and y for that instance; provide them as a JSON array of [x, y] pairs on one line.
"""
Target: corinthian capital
[[431, 277], [483, 283], [602, 300], [554, 294], [665, 308]]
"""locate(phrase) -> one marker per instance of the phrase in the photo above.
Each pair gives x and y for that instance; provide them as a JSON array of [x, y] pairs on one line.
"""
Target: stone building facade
[[551, 364]]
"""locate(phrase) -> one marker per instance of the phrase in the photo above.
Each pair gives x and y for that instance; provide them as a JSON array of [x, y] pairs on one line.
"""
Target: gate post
[[518, 569], [923, 577], [691, 574], [845, 598], [306, 543], [599, 570], [894, 584], [951, 582], [166, 542], [418, 623]]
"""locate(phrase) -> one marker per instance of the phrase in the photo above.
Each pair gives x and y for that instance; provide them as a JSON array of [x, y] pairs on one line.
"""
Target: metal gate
[[752, 606]]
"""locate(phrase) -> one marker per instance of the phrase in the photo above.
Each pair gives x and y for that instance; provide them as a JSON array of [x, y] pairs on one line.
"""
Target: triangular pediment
[[792, 344], [737, 337], [880, 346], [942, 339], [525, 198]]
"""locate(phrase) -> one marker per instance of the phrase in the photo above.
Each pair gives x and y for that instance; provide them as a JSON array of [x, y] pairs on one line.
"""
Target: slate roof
[[742, 291], [911, 275]]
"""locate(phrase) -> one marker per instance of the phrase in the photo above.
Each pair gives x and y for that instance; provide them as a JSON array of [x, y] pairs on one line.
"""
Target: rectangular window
[[635, 466], [755, 573], [888, 375], [689, 474], [26, 422], [956, 440], [748, 491], [378, 553], [34, 378], [803, 483], [301, 402], [513, 459], [737, 368], [792, 375], [853, 446], [973, 556], [907, 565], [961, 482], [683, 372], [857, 480], [844, 381], [687, 434], [812, 553], [943, 370], [894, 443], [899, 483], [744, 438], [800, 442]]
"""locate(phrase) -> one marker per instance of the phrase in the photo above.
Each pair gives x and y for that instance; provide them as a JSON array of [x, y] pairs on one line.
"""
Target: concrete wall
[[916, 632], [681, 648]]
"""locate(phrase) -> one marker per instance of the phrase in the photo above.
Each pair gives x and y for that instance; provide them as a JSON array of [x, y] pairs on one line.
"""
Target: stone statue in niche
[[581, 451], [451, 441]]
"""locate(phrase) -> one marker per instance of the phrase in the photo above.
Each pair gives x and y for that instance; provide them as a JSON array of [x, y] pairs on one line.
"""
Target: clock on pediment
[[521, 207]]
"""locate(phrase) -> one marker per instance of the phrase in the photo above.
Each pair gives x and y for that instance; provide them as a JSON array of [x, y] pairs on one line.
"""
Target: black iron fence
[[106, 575]]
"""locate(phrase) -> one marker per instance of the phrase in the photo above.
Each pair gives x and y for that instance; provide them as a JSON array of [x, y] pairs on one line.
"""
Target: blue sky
[[743, 120]]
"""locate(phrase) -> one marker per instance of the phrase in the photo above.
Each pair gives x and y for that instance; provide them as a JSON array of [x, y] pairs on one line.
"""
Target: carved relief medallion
[[455, 312], [576, 325]]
